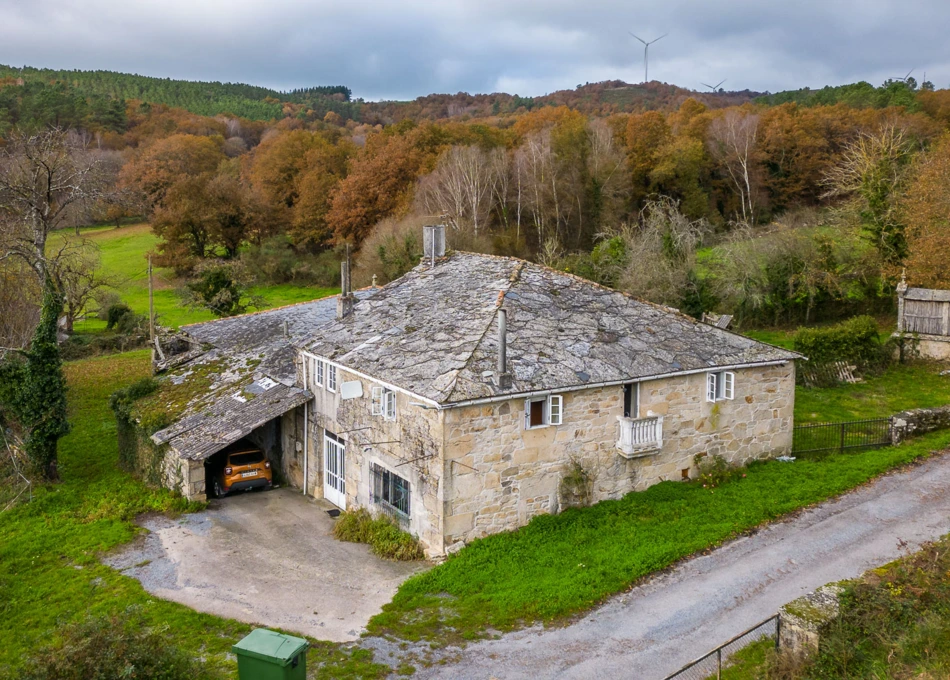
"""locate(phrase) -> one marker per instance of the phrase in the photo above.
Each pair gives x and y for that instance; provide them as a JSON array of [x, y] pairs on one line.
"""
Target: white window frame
[[331, 377], [389, 405], [552, 414], [384, 403], [720, 386], [320, 371]]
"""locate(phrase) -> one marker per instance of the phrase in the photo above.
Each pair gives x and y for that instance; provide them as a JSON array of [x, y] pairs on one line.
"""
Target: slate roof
[[244, 377], [433, 332]]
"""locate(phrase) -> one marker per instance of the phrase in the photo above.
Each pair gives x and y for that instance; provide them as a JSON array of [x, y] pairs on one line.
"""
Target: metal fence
[[712, 664], [850, 434]]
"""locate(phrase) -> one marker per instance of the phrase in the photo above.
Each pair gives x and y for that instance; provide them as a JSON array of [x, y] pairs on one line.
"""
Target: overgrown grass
[[50, 573], [898, 388], [385, 538], [124, 254], [559, 565], [894, 622]]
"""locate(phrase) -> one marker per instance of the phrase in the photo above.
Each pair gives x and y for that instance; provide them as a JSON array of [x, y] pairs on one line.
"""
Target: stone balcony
[[640, 436]]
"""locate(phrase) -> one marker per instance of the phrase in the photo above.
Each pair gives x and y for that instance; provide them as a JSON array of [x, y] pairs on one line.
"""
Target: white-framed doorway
[[334, 469]]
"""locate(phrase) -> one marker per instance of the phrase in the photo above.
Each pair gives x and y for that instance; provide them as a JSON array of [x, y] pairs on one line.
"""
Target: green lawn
[[559, 565], [50, 572], [124, 254], [900, 387]]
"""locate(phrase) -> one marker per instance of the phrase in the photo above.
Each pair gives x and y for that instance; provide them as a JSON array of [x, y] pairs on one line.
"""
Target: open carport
[[265, 558]]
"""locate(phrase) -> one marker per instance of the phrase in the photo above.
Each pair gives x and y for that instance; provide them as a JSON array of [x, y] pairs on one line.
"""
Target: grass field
[[900, 387], [50, 572], [124, 253]]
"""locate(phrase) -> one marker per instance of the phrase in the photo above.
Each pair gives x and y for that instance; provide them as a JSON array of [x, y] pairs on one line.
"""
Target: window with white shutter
[[728, 384], [321, 367], [543, 412], [712, 381], [331, 377], [389, 397], [720, 386], [378, 401]]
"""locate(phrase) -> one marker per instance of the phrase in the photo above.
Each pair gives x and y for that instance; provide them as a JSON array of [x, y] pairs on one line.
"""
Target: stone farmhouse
[[476, 392]]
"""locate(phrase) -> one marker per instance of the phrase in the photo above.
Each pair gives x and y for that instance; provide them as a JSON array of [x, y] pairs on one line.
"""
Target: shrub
[[104, 648], [855, 341], [715, 471], [114, 314], [220, 288], [276, 261], [381, 533]]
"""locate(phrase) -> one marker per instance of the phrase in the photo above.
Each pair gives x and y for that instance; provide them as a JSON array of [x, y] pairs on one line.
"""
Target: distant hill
[[203, 98], [97, 95]]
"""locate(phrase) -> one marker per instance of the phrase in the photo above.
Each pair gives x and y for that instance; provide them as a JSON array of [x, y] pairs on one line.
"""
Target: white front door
[[334, 470]]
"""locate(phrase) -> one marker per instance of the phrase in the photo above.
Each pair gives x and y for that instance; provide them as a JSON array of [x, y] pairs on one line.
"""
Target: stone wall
[[409, 446], [918, 421], [500, 475], [802, 621], [757, 423], [934, 347]]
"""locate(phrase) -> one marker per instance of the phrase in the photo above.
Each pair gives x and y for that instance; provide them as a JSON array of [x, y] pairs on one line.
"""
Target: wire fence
[[842, 436], [712, 664]]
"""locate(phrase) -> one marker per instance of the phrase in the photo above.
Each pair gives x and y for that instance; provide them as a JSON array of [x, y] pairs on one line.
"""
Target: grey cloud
[[411, 48]]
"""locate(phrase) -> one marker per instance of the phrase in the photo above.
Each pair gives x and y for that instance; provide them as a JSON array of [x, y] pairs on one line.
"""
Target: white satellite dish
[[351, 390]]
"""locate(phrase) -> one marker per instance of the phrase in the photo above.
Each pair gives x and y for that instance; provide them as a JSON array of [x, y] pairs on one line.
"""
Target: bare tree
[[44, 178], [79, 278], [732, 142], [661, 252], [538, 180], [460, 188], [871, 175]]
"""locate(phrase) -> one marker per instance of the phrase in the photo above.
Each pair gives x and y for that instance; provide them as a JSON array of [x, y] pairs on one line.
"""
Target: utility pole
[[151, 304]]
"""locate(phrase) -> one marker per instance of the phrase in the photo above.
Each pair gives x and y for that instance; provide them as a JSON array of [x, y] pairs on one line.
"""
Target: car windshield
[[248, 458]]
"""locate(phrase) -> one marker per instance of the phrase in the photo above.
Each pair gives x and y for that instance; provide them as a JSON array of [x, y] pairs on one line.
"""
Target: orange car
[[245, 467]]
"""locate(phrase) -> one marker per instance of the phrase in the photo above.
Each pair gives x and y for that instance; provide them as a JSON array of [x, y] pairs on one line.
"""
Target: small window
[[384, 403], [545, 411], [390, 492], [720, 386], [389, 399], [331, 377], [321, 368]]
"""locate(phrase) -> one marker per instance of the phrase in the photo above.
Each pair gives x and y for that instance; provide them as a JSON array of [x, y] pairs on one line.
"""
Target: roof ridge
[[513, 278]]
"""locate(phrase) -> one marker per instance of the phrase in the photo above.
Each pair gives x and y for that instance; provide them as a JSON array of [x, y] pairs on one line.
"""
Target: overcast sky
[[407, 48]]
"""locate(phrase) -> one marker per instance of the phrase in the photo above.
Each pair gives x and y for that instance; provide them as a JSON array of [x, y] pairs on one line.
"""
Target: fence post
[[719, 664], [778, 632], [841, 446]]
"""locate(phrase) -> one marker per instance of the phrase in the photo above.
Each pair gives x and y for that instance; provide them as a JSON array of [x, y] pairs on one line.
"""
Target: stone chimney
[[502, 376], [433, 243], [346, 300]]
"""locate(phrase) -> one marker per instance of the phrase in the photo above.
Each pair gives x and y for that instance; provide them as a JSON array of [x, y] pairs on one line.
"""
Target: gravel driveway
[[267, 558], [658, 627]]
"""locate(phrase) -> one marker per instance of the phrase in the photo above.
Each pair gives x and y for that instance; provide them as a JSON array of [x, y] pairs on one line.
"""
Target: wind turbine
[[646, 53], [904, 79], [715, 87]]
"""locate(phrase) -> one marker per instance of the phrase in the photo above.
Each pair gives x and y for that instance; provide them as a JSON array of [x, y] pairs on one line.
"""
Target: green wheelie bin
[[268, 655]]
